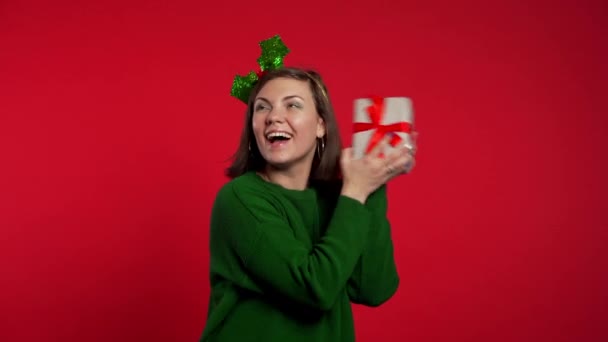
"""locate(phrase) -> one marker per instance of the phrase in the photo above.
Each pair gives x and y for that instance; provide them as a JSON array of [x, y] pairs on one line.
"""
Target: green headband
[[273, 53]]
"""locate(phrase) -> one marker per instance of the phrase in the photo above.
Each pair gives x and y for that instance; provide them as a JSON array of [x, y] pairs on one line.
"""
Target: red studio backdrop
[[116, 124]]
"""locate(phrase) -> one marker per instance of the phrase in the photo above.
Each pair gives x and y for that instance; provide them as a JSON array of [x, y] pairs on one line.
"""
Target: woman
[[300, 231]]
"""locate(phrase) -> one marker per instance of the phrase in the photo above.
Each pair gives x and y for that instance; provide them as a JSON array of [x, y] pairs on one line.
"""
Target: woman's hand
[[403, 159], [363, 176]]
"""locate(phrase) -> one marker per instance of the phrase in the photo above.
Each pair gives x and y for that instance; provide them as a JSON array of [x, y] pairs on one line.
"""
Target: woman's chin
[[285, 159], [278, 163]]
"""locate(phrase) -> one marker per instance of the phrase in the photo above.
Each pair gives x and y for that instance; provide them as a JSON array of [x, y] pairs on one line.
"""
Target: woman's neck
[[291, 179]]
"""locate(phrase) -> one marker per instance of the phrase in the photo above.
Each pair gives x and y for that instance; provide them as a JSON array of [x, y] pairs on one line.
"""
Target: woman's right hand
[[363, 176]]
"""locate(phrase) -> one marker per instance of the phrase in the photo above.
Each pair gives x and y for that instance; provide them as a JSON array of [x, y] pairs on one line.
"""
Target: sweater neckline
[[300, 194]]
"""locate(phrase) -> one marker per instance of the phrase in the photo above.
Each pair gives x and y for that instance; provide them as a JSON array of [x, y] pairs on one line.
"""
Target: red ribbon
[[376, 113]]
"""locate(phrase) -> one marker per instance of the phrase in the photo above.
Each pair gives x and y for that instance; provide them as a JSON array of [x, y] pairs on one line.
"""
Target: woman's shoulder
[[242, 195], [246, 184]]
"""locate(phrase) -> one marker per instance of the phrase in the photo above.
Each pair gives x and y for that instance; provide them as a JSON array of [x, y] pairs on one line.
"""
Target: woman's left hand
[[403, 159]]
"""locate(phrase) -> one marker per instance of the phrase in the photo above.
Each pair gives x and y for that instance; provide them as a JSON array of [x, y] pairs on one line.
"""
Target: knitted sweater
[[285, 264]]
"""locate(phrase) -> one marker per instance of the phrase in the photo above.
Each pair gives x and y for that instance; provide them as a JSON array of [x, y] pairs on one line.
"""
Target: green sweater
[[285, 265]]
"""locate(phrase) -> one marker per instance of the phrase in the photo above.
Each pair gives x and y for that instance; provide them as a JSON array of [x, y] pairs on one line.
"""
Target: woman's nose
[[276, 114]]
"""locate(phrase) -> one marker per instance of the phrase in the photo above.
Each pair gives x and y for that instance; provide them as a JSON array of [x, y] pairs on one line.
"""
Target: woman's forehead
[[283, 86]]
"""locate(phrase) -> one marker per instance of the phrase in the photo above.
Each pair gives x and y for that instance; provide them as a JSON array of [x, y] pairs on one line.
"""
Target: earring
[[251, 154], [320, 147]]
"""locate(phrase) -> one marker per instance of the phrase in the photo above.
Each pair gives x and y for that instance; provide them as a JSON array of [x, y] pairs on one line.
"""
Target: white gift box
[[393, 115]]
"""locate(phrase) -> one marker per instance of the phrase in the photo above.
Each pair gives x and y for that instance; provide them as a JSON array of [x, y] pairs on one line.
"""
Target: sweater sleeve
[[375, 278], [259, 235]]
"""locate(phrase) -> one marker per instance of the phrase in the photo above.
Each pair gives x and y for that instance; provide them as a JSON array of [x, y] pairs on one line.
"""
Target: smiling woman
[[288, 130], [286, 126], [293, 104], [301, 229]]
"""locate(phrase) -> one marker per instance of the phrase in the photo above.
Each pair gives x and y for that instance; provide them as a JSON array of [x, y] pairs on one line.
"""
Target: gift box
[[378, 117]]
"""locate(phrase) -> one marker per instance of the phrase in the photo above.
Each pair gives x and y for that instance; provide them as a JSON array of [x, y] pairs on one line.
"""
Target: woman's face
[[285, 123]]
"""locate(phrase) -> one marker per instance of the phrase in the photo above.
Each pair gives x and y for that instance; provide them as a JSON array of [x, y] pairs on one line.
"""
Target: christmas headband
[[273, 53]]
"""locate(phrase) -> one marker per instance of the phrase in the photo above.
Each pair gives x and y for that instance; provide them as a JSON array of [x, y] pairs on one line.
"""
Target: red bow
[[376, 113]]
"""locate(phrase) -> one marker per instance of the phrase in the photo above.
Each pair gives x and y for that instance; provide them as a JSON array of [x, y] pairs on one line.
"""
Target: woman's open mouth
[[277, 139]]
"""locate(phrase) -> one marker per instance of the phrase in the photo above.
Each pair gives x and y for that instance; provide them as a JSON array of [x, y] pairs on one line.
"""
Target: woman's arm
[[246, 226], [375, 278]]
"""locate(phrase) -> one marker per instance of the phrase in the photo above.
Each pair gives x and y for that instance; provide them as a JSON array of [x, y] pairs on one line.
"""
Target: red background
[[116, 123]]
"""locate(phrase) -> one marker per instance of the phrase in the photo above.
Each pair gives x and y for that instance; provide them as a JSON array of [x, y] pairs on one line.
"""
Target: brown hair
[[324, 168]]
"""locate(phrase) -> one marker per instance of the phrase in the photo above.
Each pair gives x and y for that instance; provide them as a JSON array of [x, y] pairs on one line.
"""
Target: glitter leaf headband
[[273, 54]]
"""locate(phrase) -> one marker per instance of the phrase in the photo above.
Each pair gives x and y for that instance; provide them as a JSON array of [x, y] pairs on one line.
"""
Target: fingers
[[413, 144], [398, 161], [408, 164], [398, 153], [401, 160], [346, 156], [347, 153], [380, 147]]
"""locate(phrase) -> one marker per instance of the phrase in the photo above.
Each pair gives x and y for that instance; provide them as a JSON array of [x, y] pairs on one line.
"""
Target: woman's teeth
[[274, 136]]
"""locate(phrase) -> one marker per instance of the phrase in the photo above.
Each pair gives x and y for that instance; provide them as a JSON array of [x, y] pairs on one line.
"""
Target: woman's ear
[[321, 128]]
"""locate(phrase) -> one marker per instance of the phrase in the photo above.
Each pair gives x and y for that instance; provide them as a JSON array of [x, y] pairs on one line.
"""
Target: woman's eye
[[295, 105], [259, 107]]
